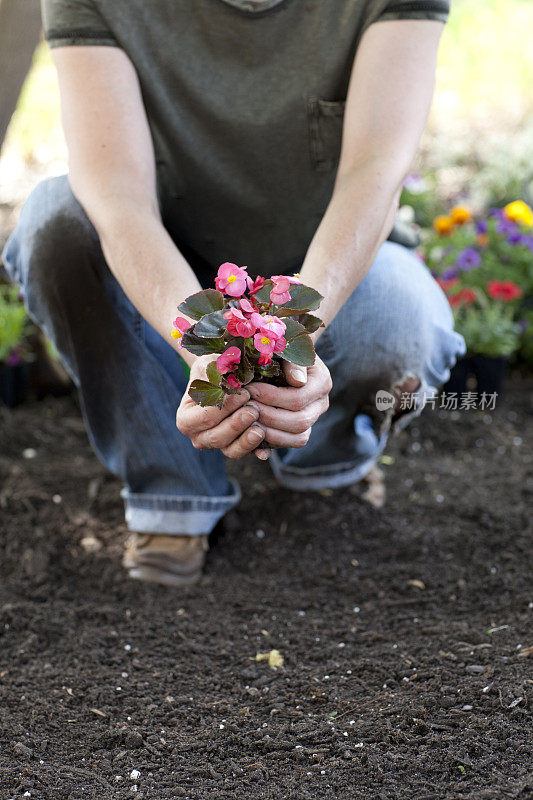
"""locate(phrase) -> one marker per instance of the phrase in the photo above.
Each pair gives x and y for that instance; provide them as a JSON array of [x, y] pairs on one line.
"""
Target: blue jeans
[[396, 323]]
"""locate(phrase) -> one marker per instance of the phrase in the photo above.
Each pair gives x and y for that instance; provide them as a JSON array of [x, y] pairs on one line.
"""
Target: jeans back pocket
[[325, 118]]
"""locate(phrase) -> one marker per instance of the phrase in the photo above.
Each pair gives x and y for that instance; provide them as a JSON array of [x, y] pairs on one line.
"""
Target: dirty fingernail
[[263, 454], [255, 435], [250, 411]]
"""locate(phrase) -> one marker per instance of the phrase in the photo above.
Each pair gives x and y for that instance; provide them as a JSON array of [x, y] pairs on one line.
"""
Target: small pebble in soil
[[29, 452], [134, 774], [260, 534], [57, 499]]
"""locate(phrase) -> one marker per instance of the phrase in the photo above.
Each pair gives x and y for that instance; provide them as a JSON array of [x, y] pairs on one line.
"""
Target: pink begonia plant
[[238, 324], [251, 325], [280, 293], [181, 325], [231, 279], [228, 360]]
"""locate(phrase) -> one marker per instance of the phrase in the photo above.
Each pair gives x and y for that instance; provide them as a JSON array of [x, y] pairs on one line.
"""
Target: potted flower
[[485, 267], [14, 356]]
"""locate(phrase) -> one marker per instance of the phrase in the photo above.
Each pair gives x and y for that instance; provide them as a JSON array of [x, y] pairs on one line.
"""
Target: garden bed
[[403, 630]]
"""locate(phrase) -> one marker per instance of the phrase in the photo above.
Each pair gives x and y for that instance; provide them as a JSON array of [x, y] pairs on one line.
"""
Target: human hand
[[230, 429], [287, 413]]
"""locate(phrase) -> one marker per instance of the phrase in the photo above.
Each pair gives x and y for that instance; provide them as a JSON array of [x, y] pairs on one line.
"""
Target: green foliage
[[300, 351], [310, 323], [13, 321], [201, 346], [213, 375], [210, 325], [303, 298], [489, 330], [201, 303], [293, 329], [205, 394]]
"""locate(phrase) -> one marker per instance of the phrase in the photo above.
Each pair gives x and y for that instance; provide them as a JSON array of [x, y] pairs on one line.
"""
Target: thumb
[[295, 375]]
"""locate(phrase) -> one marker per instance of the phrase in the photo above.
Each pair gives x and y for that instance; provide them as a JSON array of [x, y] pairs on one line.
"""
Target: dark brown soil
[[404, 631]]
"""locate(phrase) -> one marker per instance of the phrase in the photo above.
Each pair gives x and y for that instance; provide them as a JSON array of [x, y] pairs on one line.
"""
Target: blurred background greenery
[[479, 137]]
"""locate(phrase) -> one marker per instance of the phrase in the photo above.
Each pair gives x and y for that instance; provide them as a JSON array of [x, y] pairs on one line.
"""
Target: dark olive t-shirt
[[245, 103]]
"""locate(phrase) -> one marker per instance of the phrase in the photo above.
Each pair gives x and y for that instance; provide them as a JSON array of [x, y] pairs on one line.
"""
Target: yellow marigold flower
[[482, 239], [443, 224], [518, 211], [460, 215]]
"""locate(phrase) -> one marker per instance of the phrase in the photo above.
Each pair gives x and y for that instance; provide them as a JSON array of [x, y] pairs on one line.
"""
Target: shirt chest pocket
[[325, 118]]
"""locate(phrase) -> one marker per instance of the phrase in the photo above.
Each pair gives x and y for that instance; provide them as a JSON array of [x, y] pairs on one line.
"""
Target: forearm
[[358, 219], [146, 262]]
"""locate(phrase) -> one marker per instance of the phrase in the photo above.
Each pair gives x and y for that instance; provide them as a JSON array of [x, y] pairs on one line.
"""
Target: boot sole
[[156, 575]]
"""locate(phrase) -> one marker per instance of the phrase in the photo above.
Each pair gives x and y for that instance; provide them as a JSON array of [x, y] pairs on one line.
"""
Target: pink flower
[[272, 326], [265, 360], [246, 306], [228, 360], [231, 279], [232, 380], [238, 324], [280, 291], [181, 325], [267, 344], [254, 286]]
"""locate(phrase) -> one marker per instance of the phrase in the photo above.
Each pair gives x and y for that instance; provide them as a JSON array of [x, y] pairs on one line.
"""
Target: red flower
[[463, 297], [504, 290], [445, 285]]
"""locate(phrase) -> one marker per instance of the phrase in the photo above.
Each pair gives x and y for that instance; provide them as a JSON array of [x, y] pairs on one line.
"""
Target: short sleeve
[[381, 10], [75, 22]]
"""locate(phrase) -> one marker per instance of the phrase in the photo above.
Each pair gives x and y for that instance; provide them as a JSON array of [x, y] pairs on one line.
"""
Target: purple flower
[[468, 259], [515, 237], [527, 240], [505, 227], [450, 274], [415, 183], [481, 226], [13, 359], [496, 213]]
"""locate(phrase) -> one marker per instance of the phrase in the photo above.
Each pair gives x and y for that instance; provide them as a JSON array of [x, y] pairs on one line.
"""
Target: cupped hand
[[287, 413], [231, 429]]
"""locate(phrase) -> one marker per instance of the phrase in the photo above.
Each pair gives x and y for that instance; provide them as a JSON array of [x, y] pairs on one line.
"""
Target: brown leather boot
[[170, 560]]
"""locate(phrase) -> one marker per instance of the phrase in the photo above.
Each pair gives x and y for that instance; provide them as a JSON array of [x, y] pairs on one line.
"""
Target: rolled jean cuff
[[330, 476], [191, 515]]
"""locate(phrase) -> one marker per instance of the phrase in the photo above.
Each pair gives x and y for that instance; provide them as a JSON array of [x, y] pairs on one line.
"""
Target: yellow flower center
[[265, 340], [176, 334], [232, 279]]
